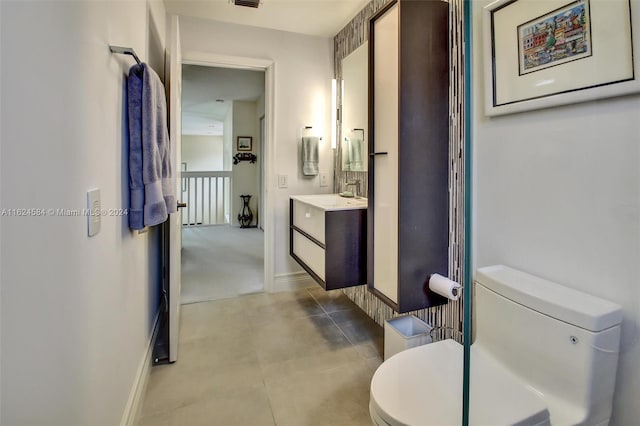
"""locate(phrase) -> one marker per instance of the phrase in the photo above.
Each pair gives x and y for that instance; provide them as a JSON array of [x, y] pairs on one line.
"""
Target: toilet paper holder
[[444, 286]]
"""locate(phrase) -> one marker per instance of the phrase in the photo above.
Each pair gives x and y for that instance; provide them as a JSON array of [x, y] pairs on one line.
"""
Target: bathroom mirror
[[355, 103]]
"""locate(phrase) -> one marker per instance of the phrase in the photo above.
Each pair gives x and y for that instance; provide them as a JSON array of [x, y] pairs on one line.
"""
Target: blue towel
[[150, 174]]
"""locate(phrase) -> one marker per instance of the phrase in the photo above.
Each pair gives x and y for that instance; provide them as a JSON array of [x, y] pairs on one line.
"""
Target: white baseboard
[[136, 395], [292, 281]]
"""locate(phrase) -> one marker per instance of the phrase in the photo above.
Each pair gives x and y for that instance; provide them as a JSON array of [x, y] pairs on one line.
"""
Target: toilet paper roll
[[445, 287]]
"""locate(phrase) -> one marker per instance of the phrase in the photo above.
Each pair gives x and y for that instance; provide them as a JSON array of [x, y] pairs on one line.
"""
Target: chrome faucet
[[356, 183]]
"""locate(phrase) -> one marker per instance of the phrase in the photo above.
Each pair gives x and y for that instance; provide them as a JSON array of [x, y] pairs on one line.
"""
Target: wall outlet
[[324, 179], [283, 181]]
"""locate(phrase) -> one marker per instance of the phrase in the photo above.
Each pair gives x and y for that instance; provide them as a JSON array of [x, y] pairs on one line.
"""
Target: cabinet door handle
[[373, 154]]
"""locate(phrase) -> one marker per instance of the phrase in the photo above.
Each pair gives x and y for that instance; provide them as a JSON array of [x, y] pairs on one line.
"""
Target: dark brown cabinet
[[329, 243], [408, 217]]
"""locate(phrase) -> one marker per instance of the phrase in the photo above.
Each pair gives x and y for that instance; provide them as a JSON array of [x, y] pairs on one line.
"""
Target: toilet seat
[[423, 386]]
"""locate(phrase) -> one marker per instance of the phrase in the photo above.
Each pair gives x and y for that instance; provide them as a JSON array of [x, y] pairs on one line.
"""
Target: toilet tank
[[561, 342]]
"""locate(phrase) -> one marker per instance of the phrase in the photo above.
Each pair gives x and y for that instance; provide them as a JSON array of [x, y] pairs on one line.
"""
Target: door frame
[[174, 225], [261, 132], [209, 59]]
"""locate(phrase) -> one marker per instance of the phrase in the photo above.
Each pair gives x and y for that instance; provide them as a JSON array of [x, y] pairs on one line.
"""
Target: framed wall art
[[245, 143], [540, 54]]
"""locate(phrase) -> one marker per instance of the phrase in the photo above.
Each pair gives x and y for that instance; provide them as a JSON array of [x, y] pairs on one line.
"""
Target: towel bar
[[125, 51]]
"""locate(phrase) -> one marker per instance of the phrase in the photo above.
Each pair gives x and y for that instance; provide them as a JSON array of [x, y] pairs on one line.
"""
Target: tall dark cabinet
[[409, 152]]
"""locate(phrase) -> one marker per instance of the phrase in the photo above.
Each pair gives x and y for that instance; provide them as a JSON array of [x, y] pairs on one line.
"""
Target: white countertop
[[331, 202]]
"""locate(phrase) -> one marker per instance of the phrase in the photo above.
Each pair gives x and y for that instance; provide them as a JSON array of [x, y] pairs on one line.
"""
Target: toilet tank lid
[[565, 304]]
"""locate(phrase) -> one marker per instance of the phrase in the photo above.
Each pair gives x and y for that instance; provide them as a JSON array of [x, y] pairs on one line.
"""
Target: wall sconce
[[334, 113]]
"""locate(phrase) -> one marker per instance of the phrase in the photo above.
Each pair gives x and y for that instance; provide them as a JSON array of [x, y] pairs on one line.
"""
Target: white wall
[[77, 312], [245, 173], [227, 141], [202, 153], [260, 106], [557, 194], [303, 73]]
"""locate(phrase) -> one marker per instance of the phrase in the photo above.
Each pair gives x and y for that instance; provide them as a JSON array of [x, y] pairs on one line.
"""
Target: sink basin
[[331, 202]]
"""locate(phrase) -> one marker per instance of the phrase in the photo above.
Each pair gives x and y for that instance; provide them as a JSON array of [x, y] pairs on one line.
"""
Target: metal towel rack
[[308, 128], [125, 51]]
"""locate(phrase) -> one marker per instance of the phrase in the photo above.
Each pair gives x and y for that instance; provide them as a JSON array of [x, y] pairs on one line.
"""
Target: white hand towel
[[310, 155], [356, 151], [346, 154]]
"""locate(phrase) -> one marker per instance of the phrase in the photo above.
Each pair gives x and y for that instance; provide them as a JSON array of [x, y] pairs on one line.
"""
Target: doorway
[[223, 153]]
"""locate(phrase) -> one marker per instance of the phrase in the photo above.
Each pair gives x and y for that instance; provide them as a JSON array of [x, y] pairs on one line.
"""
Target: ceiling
[[203, 88], [313, 17]]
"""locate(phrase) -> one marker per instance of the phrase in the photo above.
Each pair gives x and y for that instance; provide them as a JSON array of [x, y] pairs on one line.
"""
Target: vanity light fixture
[[334, 113]]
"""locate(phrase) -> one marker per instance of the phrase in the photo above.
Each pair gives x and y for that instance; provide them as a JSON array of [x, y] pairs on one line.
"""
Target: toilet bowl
[[543, 354], [497, 397]]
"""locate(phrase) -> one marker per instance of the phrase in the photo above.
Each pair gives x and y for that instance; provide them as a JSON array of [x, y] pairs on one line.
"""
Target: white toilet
[[542, 354]]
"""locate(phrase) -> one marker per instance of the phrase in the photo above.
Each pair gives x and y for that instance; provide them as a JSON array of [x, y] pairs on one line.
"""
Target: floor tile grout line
[[316, 300], [336, 324], [266, 390], [343, 333], [322, 307]]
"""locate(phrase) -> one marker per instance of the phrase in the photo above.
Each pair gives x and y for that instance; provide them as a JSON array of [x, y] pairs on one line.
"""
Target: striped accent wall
[[356, 32]]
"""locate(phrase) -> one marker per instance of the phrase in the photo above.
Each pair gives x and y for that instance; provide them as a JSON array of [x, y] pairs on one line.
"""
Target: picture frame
[[244, 143], [558, 52]]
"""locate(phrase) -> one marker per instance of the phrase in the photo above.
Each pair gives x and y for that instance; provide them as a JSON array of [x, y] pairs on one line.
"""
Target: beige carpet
[[219, 262]]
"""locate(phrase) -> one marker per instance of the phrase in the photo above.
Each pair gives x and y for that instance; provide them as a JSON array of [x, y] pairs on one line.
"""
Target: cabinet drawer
[[309, 219], [310, 253]]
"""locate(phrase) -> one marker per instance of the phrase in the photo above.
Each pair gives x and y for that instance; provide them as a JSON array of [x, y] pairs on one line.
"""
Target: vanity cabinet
[[329, 241], [409, 152]]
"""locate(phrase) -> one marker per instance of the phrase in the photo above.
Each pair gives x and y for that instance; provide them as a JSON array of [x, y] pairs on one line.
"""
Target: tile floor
[[296, 358]]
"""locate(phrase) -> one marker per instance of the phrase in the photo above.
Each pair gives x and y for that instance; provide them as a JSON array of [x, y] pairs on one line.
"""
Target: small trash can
[[403, 333]]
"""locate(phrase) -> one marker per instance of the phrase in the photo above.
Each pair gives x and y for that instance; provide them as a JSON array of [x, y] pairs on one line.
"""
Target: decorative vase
[[245, 217]]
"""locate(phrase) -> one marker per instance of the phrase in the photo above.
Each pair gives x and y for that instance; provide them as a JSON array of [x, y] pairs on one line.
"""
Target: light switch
[[324, 179], [283, 181], [93, 211]]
